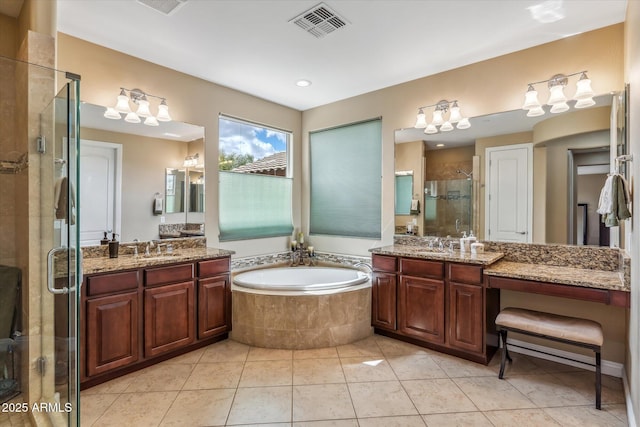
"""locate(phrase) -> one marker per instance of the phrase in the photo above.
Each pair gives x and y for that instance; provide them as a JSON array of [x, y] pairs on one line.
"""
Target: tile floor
[[375, 382]]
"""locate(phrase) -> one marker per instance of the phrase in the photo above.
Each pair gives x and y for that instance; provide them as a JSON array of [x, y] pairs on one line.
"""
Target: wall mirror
[[571, 153], [128, 165]]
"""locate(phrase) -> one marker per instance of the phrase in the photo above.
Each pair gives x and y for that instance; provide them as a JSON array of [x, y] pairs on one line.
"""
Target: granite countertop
[[423, 252], [590, 278], [127, 262]]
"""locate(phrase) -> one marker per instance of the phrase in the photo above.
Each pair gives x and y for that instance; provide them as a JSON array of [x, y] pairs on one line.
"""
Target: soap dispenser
[[105, 239], [113, 246], [464, 243]]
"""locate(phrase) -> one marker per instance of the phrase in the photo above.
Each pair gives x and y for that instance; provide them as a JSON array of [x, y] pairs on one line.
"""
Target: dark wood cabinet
[[438, 304], [383, 301], [421, 308], [465, 317], [213, 308], [132, 319], [169, 317], [112, 332]]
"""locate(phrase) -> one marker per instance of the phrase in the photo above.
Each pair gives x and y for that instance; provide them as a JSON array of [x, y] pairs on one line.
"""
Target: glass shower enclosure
[[448, 207]]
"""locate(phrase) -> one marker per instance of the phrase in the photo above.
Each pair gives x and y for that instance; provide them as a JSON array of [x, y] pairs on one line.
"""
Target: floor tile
[[199, 408], [437, 396], [92, 406], [584, 382], [137, 409], [380, 399], [214, 375], [521, 418], [322, 402], [548, 391], [329, 423], [367, 347], [161, 377], [267, 373], [192, 357], [490, 393], [116, 385], [463, 419], [363, 369], [316, 353], [456, 367], [619, 410], [415, 367], [406, 421], [257, 353], [521, 365], [581, 416], [391, 347], [317, 371], [225, 351], [261, 405]]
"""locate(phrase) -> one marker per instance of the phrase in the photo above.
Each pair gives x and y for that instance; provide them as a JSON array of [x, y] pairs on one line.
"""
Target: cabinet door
[[169, 317], [112, 332], [465, 317], [213, 307], [383, 301], [421, 308]]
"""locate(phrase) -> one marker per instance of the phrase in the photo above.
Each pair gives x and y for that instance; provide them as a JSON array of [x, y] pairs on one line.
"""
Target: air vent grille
[[319, 21], [166, 7]]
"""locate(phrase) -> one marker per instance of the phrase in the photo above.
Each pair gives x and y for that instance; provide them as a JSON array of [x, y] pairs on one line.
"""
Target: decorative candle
[[293, 245], [310, 248], [301, 237]]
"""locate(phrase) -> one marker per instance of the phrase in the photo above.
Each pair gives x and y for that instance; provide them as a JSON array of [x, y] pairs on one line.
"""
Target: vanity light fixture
[[191, 161], [139, 98], [438, 119], [557, 99]]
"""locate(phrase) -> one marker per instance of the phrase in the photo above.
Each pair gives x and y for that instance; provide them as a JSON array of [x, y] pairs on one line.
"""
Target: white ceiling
[[251, 46]]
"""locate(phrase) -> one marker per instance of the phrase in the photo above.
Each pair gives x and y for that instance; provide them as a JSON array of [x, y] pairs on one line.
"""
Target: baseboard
[[610, 368], [631, 417]]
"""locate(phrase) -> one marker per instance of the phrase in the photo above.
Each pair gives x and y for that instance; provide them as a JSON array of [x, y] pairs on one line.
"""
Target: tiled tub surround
[[300, 321]]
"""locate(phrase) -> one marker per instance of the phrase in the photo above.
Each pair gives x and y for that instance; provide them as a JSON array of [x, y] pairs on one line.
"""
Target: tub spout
[[363, 264]]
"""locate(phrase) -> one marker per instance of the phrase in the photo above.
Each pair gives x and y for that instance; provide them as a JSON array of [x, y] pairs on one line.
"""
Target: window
[[404, 193], [346, 180], [255, 181]]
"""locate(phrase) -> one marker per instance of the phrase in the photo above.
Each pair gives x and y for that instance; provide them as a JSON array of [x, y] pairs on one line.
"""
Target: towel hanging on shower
[[614, 201]]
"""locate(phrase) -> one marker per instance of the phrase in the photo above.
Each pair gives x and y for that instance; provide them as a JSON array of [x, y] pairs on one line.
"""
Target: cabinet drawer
[[172, 274], [214, 267], [111, 283], [384, 263], [422, 268], [460, 273]]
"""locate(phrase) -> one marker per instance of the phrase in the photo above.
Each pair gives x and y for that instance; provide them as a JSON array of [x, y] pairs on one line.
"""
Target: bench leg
[[598, 380], [505, 352]]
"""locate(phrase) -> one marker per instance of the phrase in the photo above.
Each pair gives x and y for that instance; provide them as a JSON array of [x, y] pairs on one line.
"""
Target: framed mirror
[[143, 161], [462, 154]]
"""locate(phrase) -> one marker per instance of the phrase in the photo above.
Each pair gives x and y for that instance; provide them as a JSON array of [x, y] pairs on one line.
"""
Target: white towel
[[414, 205], [605, 204]]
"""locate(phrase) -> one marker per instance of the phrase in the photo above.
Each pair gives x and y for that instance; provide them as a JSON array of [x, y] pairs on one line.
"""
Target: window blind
[[346, 183], [404, 193], [254, 206]]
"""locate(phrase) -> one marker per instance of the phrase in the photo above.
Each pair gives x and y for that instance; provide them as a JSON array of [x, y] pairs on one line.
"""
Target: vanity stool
[[569, 330]]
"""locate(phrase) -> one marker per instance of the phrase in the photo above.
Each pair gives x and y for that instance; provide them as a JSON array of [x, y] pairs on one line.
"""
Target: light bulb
[[163, 112], [559, 108], [421, 121], [446, 127], [132, 118], [557, 95], [112, 114], [122, 106]]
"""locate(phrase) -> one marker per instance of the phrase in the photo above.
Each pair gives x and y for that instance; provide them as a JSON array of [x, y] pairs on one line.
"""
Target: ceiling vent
[[319, 21], [166, 7]]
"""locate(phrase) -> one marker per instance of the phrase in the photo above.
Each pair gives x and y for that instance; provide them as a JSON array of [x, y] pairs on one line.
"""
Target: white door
[[509, 193], [99, 190]]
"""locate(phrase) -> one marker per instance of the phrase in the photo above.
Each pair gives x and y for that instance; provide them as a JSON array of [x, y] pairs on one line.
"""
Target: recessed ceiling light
[[440, 145], [303, 83]]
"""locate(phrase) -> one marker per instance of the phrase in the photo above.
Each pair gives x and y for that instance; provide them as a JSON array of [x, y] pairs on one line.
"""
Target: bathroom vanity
[[435, 299], [448, 301], [137, 310]]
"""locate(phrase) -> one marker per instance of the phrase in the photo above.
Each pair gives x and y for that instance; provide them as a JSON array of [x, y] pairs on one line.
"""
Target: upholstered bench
[[569, 330]]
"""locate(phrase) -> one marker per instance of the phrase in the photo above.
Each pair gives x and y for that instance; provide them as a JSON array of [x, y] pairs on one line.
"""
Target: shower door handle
[[50, 272]]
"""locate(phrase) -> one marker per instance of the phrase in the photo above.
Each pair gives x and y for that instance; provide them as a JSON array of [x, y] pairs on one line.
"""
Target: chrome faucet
[[363, 264]]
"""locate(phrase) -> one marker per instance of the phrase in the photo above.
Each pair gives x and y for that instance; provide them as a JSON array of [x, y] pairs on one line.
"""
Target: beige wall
[[632, 76], [485, 87], [191, 100]]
